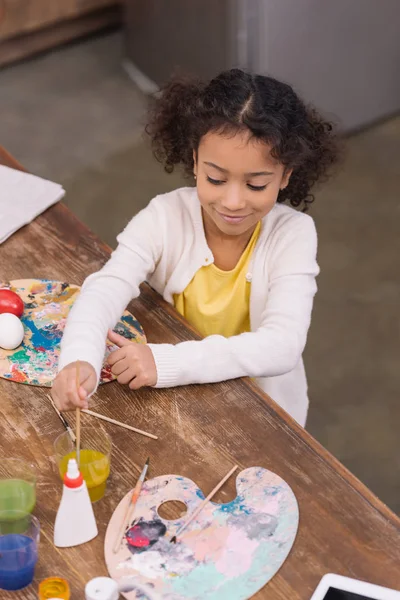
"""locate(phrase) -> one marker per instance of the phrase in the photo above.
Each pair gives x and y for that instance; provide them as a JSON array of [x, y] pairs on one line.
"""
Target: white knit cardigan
[[165, 244]]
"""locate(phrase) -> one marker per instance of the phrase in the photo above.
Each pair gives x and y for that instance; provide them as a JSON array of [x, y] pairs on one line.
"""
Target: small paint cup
[[18, 550], [17, 488], [54, 588], [95, 458], [101, 588]]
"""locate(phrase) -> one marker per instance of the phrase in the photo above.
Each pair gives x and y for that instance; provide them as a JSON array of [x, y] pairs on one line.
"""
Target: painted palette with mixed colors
[[229, 551], [46, 308]]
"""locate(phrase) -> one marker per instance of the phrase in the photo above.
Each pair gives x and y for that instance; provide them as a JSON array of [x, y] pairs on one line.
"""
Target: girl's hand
[[65, 392], [133, 363]]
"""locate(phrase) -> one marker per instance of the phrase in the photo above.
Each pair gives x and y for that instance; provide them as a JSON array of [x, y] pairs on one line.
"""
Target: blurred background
[[75, 76]]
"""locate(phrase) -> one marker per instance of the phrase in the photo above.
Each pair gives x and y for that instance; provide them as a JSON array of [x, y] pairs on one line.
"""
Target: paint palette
[[229, 552], [47, 305]]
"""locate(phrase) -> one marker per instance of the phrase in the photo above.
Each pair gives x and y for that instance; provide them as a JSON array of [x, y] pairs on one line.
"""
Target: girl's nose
[[233, 199]]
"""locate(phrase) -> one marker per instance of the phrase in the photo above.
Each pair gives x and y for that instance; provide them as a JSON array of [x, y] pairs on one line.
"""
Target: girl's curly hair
[[301, 139]]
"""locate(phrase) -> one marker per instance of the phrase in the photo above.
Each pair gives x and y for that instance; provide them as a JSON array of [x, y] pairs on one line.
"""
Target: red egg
[[10, 302]]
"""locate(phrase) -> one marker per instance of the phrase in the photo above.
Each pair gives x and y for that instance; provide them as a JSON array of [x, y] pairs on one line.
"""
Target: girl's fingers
[[119, 367], [64, 391], [79, 402], [75, 398], [83, 398], [136, 383], [117, 339], [88, 385], [125, 377], [116, 356], [82, 393]]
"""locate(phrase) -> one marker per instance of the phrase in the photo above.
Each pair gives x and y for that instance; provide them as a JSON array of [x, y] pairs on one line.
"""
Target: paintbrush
[[131, 507], [78, 419], [203, 504], [124, 425], [63, 420]]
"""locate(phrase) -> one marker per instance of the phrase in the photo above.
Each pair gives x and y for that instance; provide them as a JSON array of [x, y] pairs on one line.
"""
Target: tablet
[[336, 587]]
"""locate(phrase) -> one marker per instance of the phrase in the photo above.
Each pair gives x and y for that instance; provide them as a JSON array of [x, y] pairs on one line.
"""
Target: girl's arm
[[105, 294], [276, 346]]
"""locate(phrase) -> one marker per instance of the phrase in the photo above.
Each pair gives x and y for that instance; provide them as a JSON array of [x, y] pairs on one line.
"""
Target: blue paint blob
[[130, 320], [47, 338], [238, 505]]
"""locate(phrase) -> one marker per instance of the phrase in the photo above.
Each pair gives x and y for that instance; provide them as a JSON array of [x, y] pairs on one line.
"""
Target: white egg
[[11, 331]]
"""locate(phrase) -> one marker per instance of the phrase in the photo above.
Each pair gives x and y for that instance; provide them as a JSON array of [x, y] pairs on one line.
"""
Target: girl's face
[[238, 181]]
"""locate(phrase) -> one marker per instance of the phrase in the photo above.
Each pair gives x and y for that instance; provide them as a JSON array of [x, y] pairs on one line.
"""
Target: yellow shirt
[[216, 301]]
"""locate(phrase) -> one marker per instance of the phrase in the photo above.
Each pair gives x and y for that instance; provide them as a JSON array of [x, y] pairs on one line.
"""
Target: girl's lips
[[230, 219]]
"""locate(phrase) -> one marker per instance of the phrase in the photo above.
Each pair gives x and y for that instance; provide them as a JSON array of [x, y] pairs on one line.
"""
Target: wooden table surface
[[203, 431]]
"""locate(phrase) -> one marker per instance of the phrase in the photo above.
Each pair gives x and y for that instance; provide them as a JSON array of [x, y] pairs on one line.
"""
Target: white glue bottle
[[75, 522]]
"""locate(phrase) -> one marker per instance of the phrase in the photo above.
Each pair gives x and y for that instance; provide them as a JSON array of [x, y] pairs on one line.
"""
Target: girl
[[228, 254]]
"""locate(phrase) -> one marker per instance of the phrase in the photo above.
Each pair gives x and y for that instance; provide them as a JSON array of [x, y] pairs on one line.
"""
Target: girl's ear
[[286, 178]]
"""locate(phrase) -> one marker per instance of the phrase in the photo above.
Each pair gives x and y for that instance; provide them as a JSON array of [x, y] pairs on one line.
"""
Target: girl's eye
[[256, 188], [215, 181]]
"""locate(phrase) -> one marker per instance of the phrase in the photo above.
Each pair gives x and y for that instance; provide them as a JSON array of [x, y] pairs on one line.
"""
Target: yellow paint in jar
[[54, 587], [95, 469]]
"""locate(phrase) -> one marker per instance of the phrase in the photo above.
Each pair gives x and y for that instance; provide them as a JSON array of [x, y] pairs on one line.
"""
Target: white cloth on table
[[22, 198]]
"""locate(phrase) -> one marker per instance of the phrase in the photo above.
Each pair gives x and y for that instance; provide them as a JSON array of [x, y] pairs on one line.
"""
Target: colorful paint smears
[[229, 552], [46, 308]]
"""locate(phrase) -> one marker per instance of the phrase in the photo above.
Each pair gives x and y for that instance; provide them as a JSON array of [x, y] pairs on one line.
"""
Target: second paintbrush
[[131, 506], [63, 420]]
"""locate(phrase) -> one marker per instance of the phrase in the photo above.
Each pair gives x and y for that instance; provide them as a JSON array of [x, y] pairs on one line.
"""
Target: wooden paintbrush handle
[[78, 418]]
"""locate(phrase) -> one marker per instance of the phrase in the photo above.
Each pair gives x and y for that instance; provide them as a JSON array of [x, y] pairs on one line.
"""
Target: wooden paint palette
[[229, 551], [47, 305]]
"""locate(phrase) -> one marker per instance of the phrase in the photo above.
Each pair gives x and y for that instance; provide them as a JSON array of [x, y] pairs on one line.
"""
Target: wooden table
[[203, 430]]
